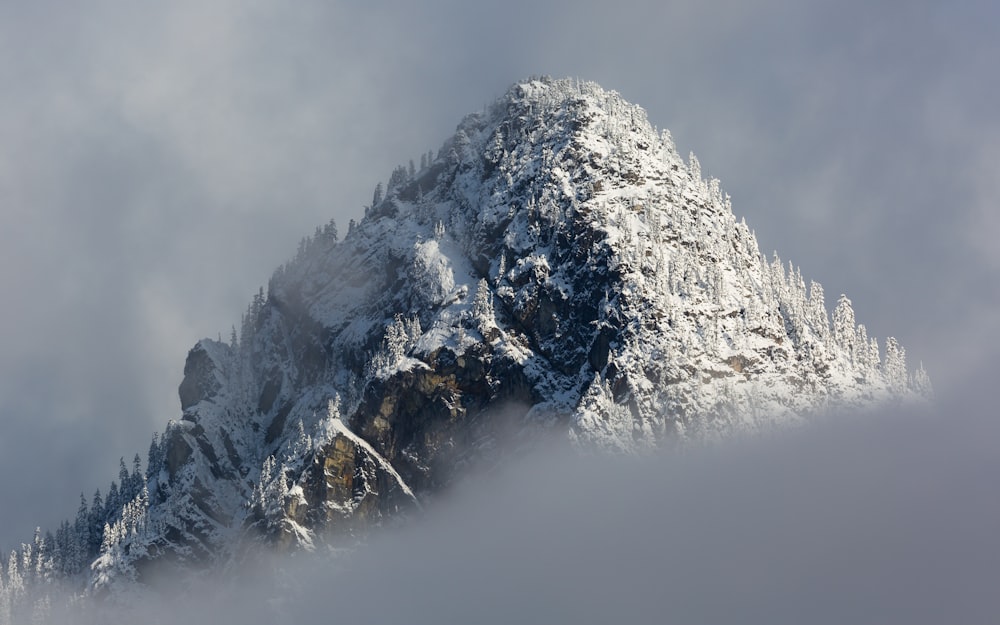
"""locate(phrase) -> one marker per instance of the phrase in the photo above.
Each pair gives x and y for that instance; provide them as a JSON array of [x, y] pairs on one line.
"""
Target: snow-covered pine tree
[[694, 167], [483, 313], [922, 382], [895, 366], [874, 356], [300, 444], [330, 233], [15, 585], [271, 493], [817, 315], [844, 332], [862, 357], [397, 179], [27, 564], [43, 550], [111, 568]]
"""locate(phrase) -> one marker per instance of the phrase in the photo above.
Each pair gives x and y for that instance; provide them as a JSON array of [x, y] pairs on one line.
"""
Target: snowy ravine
[[556, 266]]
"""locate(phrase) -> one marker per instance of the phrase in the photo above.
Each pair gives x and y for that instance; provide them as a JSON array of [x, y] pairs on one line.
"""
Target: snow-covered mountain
[[556, 267]]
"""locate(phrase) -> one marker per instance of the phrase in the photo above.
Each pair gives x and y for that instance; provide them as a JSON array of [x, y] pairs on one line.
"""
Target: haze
[[159, 161], [859, 519]]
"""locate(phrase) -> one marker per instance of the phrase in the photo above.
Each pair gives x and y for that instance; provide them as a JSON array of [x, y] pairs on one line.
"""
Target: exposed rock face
[[345, 486], [556, 267]]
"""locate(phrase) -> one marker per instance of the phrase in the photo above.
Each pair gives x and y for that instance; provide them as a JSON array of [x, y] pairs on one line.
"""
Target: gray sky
[[159, 160]]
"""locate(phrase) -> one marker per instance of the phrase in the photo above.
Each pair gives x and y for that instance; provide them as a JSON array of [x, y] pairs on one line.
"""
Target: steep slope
[[558, 267]]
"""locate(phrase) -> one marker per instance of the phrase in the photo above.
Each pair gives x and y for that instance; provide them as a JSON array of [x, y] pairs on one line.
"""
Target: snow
[[336, 425], [589, 233]]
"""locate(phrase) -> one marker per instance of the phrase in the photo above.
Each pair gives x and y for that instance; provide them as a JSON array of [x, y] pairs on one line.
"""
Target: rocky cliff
[[556, 267]]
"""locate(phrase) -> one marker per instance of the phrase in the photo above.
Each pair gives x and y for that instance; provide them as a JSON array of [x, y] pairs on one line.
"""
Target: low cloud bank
[[882, 518]]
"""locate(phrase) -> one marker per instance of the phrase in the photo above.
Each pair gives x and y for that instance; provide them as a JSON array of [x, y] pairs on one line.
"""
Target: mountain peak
[[556, 267]]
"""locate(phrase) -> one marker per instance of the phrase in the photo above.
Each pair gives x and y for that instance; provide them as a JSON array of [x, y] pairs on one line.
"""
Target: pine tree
[[46, 554], [330, 233], [396, 340], [268, 499], [861, 356], [109, 560], [776, 273], [137, 478], [15, 585], [66, 562], [483, 314], [397, 179], [113, 502], [922, 382], [81, 536], [818, 319], [459, 148], [125, 482], [895, 366], [844, 333], [96, 521], [27, 564], [302, 442], [694, 167], [794, 304], [874, 357], [154, 458]]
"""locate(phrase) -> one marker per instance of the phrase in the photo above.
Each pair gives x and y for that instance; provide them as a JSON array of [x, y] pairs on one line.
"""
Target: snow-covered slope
[[556, 267]]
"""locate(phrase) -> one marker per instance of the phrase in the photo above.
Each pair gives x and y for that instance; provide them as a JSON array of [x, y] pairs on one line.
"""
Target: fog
[[877, 518], [157, 162]]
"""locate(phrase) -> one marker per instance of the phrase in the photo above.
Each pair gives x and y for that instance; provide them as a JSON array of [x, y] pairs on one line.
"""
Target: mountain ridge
[[556, 267]]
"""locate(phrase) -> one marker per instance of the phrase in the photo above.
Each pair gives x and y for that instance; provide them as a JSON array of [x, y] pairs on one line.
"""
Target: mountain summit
[[555, 267]]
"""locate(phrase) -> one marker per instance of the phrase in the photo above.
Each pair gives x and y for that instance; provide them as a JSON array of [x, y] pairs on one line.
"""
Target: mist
[[157, 163], [881, 517], [160, 162]]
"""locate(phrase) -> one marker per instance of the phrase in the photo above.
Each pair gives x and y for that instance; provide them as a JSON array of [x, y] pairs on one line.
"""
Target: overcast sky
[[159, 160]]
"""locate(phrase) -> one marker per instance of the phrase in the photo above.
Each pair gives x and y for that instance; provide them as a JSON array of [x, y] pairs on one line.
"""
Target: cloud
[[873, 518], [159, 162]]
